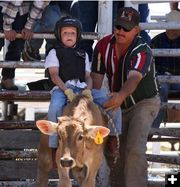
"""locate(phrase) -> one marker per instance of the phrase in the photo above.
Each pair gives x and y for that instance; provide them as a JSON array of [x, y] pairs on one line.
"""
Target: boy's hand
[[70, 94], [87, 93]]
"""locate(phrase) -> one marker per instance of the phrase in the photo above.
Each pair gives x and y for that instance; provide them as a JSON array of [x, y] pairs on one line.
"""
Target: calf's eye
[[80, 137]]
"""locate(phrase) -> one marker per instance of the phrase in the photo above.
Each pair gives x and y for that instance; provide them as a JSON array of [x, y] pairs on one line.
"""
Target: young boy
[[69, 72]]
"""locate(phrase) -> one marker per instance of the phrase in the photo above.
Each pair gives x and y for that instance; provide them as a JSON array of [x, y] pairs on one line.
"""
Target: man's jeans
[[137, 122], [59, 100]]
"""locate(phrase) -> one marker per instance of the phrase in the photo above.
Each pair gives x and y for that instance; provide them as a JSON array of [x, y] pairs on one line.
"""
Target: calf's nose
[[66, 162]]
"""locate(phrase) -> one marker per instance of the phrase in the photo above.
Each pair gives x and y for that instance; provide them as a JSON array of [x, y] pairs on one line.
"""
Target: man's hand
[[114, 102], [10, 35], [87, 93], [27, 34], [70, 94]]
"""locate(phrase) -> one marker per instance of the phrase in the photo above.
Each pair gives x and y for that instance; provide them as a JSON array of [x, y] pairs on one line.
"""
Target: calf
[[81, 131]]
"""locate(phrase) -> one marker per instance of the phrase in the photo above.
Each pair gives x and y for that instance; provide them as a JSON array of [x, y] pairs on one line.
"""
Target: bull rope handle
[[110, 121]]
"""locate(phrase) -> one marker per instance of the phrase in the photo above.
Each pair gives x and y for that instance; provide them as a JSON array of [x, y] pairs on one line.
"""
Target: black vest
[[72, 63]]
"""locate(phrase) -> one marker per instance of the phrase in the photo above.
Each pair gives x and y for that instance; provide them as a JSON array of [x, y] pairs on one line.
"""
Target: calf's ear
[[94, 130], [47, 127]]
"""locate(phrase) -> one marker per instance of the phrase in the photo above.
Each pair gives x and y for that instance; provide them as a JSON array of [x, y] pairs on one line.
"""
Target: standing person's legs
[[13, 54], [144, 13], [136, 125], [88, 16], [46, 24], [69, 8], [1, 28]]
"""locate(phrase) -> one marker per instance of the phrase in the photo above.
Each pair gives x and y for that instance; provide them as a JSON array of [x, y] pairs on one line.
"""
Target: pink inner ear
[[42, 125], [104, 131], [45, 128]]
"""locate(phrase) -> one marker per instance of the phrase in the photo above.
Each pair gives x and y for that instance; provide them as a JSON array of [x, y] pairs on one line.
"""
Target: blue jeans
[[144, 13], [46, 24], [15, 47], [164, 91], [100, 97], [57, 104], [59, 100], [88, 14]]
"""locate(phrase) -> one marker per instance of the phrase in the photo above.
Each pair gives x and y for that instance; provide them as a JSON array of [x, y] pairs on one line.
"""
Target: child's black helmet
[[68, 21]]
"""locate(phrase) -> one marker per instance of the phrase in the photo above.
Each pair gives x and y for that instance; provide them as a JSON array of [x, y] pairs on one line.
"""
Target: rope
[[110, 121]]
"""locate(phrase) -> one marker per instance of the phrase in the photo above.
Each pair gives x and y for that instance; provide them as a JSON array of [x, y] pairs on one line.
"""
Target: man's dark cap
[[127, 17]]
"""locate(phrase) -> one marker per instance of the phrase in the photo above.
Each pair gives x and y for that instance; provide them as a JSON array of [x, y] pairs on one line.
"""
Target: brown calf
[[81, 130]]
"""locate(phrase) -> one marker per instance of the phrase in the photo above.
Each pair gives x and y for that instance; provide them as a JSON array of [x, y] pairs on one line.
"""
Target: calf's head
[[74, 137]]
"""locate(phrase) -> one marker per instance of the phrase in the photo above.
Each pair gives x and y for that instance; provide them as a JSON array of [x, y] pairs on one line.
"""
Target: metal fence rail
[[85, 35]]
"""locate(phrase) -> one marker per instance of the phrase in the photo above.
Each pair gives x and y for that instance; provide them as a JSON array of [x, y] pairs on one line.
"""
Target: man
[[17, 16], [128, 63], [167, 65]]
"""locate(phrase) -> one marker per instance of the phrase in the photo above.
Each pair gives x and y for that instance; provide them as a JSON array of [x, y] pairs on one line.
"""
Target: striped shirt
[[138, 58], [166, 64], [11, 8]]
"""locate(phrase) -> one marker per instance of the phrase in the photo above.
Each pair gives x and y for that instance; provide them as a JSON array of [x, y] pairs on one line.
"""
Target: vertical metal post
[[128, 3], [105, 17], [4, 110], [105, 9], [9, 110]]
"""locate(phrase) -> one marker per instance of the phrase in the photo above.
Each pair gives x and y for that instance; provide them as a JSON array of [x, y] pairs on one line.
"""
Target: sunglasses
[[118, 27]]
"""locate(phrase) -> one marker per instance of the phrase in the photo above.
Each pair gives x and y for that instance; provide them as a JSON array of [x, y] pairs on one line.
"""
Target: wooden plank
[[55, 183], [163, 159], [17, 125], [20, 170], [163, 139], [12, 155], [25, 96], [173, 132], [19, 184], [156, 184], [29, 139], [19, 139], [22, 64], [30, 183], [29, 155], [40, 96]]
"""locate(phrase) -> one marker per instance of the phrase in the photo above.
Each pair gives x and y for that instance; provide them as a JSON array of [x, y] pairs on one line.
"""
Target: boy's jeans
[[59, 100]]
